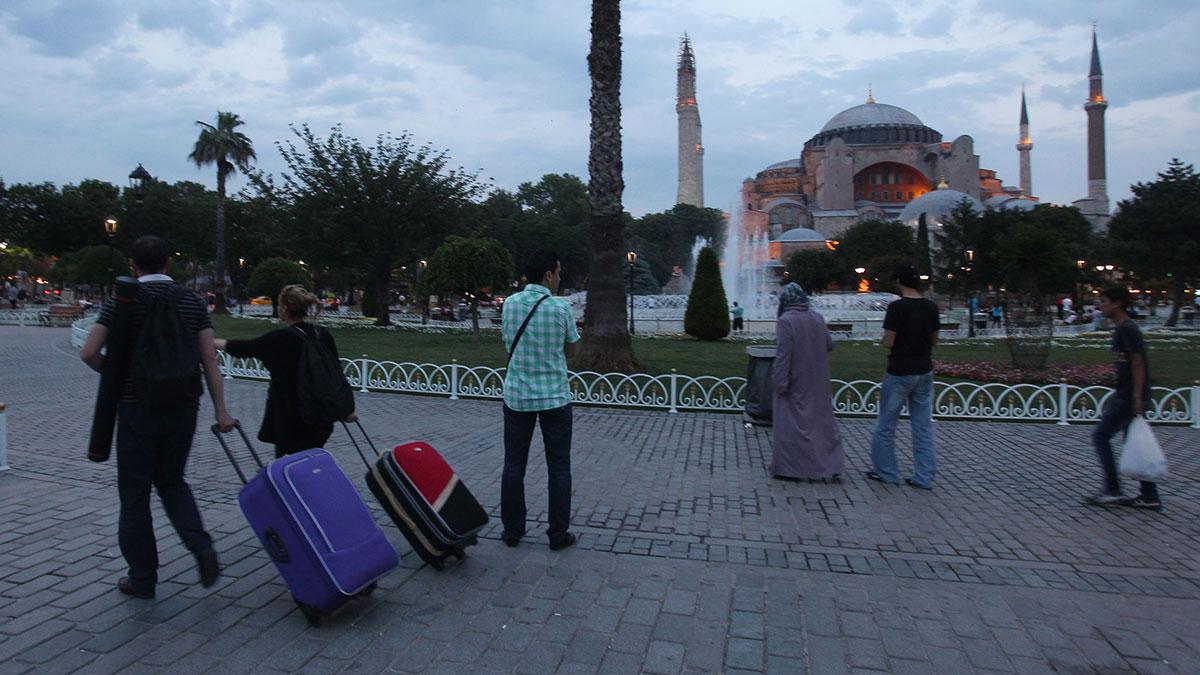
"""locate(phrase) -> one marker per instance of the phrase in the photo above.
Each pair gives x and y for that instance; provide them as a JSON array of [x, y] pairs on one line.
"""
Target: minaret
[[1024, 145], [1095, 107], [691, 151]]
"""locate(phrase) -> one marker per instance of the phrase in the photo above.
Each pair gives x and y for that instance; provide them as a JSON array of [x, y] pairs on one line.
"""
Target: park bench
[[61, 315], [840, 327], [949, 325]]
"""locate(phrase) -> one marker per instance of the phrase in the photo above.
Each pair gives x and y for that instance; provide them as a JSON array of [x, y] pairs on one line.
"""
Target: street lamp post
[[632, 258], [970, 293], [110, 228], [421, 265]]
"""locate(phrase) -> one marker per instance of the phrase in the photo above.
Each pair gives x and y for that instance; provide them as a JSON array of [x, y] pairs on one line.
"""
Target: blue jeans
[[556, 436], [1115, 419], [917, 391]]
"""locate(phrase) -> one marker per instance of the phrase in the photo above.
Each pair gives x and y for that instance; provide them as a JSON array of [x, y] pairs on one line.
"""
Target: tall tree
[[467, 266], [870, 239], [1154, 233], [606, 344], [924, 261], [222, 144], [371, 206], [814, 269], [707, 313]]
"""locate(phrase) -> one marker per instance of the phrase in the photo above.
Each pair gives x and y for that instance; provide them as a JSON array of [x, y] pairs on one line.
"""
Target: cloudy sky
[[92, 87]]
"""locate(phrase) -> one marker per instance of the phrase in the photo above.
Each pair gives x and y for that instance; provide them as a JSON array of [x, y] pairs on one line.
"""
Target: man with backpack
[[539, 334], [156, 418]]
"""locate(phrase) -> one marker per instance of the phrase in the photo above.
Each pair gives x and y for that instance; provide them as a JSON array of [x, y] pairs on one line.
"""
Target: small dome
[[801, 234], [936, 206], [785, 164], [872, 114], [1009, 202]]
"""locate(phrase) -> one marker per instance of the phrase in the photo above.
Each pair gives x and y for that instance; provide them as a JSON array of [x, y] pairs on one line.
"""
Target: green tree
[[644, 282], [94, 265], [924, 261], [881, 273], [222, 144], [369, 206], [873, 238], [606, 344], [271, 275], [1154, 233], [666, 239], [1034, 262], [960, 232], [707, 314], [468, 266], [814, 270]]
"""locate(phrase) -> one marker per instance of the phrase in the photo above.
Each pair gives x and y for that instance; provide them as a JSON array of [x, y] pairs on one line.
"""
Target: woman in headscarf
[[807, 439]]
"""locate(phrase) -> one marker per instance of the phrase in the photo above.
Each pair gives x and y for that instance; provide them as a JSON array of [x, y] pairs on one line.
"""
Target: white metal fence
[[1060, 403]]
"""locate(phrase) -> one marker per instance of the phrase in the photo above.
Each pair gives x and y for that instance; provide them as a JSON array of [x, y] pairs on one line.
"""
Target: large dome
[[936, 206], [872, 114]]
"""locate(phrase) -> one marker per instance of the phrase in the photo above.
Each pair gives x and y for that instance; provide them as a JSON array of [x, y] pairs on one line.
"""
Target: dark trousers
[[1115, 419], [556, 436], [738, 324], [152, 450]]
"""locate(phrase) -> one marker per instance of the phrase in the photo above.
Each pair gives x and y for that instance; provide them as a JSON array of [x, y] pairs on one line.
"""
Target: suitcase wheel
[[438, 564], [312, 614], [457, 553], [366, 592]]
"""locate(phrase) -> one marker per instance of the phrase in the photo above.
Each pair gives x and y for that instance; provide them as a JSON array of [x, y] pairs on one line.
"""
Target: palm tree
[[230, 150], [606, 345]]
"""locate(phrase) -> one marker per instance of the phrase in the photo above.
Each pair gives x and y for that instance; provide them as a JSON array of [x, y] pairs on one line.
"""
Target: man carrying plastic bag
[[1127, 405]]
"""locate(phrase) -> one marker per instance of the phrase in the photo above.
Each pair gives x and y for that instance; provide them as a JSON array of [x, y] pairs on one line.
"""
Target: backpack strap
[[521, 330]]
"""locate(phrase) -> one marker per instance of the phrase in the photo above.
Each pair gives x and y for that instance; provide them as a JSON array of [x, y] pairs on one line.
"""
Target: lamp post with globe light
[[110, 228], [421, 297], [632, 258]]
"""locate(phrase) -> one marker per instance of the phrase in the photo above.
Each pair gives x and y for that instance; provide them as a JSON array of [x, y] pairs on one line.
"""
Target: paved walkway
[[690, 558]]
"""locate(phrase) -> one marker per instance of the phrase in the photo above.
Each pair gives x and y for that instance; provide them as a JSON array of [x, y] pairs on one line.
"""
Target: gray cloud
[[67, 29], [875, 18]]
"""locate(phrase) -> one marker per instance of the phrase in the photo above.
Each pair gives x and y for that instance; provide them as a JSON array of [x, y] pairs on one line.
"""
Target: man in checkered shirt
[[535, 389]]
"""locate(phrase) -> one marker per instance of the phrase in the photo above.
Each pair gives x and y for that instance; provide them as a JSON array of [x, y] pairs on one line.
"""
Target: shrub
[[271, 275], [707, 315]]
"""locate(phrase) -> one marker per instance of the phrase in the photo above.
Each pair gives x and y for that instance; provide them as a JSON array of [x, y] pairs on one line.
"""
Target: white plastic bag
[[1142, 458]]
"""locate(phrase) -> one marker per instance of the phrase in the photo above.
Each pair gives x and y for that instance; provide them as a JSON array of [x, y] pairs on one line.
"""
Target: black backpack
[[324, 393], [166, 358]]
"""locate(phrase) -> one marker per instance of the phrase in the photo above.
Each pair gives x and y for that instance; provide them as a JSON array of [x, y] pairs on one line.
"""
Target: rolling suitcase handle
[[229, 453], [356, 446]]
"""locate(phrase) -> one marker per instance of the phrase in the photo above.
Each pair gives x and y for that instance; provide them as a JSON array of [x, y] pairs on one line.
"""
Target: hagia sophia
[[876, 161]]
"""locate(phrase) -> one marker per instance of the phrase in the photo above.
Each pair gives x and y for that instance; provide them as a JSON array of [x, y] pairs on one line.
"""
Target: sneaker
[[1141, 502], [567, 541], [1108, 499], [210, 569], [129, 588], [912, 483]]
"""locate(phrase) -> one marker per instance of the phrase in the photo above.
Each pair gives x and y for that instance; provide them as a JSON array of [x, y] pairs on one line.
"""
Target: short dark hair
[[906, 274], [150, 254], [538, 265], [1117, 294]]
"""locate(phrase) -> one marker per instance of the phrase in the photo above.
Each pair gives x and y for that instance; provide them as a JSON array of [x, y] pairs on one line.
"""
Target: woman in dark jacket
[[280, 352]]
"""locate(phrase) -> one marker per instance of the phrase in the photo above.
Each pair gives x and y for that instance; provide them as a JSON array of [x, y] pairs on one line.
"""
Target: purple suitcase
[[316, 528]]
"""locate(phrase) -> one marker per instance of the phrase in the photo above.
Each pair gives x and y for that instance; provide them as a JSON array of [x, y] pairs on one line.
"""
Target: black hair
[[538, 265], [907, 275], [150, 254], [1117, 294]]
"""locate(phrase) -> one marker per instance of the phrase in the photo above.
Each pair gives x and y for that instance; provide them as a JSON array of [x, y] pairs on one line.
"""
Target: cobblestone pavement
[[690, 558]]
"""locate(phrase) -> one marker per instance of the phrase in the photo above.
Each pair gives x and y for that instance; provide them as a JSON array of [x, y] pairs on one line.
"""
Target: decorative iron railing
[[1060, 403]]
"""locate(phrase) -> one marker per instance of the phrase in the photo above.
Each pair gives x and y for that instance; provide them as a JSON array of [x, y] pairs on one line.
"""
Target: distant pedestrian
[[996, 316], [539, 334], [280, 350], [910, 330], [738, 313], [10, 294], [1127, 401], [807, 441], [157, 417]]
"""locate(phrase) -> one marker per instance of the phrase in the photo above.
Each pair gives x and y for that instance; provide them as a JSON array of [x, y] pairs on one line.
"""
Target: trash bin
[[759, 390], [1189, 315], [981, 320]]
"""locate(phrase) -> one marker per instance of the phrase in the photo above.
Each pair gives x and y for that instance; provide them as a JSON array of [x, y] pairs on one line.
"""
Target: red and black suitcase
[[425, 498]]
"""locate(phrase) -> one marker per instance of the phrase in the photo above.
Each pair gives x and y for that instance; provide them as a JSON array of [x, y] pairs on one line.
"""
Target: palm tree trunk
[[606, 345], [1177, 300], [475, 317], [218, 281]]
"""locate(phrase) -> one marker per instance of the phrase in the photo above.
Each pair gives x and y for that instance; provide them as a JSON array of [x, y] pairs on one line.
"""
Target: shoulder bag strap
[[521, 330]]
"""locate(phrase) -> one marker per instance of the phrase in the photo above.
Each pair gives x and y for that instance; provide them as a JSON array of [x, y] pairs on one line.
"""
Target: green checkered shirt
[[537, 375]]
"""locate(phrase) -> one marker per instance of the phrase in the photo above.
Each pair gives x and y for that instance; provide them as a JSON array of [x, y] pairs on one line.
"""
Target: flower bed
[[990, 371]]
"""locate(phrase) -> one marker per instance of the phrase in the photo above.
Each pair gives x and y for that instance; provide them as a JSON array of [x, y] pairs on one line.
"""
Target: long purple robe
[[807, 438]]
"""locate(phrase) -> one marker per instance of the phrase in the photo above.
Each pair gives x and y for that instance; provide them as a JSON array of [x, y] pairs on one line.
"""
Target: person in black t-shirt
[[279, 351], [910, 329], [1127, 401], [153, 440]]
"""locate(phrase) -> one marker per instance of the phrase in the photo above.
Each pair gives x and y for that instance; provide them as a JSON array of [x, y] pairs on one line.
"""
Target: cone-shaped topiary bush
[[707, 315]]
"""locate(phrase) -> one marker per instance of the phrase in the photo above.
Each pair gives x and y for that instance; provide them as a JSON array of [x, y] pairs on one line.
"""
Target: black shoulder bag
[[521, 330]]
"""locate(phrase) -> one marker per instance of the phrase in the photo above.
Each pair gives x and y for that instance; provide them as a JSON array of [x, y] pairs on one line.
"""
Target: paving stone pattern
[[690, 558]]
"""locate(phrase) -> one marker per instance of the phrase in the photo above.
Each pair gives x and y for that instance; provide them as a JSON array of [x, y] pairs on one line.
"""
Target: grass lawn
[[1174, 361]]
